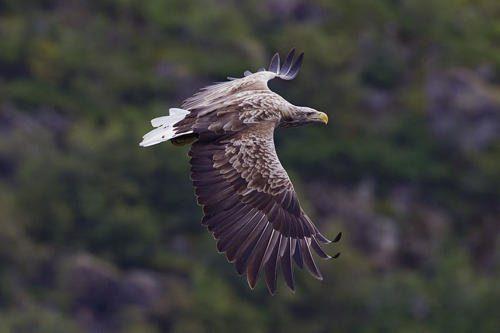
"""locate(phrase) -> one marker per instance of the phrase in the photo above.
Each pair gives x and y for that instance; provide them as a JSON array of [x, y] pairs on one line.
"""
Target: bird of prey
[[248, 200]]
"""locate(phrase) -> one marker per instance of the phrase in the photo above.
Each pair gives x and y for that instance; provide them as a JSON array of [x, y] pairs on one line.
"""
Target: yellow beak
[[324, 117]]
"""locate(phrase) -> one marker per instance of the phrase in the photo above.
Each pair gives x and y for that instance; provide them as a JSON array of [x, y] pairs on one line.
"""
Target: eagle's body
[[248, 200]]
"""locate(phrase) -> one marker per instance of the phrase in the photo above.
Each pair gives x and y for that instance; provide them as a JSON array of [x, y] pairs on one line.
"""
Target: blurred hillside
[[98, 235]]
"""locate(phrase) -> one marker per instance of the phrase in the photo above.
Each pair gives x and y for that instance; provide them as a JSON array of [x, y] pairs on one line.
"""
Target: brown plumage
[[248, 200]]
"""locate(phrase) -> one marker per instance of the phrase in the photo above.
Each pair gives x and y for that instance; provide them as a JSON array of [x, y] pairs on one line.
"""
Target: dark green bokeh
[[99, 235]]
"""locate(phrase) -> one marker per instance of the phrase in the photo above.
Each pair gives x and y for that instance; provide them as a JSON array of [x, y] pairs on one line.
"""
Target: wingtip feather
[[274, 66]]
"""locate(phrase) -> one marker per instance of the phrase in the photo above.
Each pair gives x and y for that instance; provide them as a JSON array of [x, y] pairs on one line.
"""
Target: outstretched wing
[[251, 208], [197, 111], [219, 107], [214, 96]]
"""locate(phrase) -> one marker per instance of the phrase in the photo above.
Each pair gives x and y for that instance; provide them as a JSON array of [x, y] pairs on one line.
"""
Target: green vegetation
[[97, 234]]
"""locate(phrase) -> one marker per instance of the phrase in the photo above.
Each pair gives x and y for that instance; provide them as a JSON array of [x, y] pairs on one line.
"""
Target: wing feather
[[271, 268], [251, 207], [286, 265]]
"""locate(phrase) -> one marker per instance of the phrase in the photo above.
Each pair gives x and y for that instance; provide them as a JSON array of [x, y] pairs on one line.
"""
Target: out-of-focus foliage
[[97, 235]]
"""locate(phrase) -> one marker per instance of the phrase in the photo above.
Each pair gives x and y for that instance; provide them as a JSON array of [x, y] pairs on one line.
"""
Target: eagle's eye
[[308, 114]]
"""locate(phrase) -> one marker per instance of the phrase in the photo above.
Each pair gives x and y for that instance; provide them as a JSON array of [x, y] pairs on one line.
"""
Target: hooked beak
[[323, 117]]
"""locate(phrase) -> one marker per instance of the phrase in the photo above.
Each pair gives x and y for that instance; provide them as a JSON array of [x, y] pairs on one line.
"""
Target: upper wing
[[251, 207], [220, 106], [214, 96]]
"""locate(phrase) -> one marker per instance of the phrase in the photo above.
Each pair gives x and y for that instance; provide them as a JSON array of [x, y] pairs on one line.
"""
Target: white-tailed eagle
[[248, 201]]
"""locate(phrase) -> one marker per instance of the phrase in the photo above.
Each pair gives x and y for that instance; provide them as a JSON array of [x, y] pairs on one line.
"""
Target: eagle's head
[[301, 115]]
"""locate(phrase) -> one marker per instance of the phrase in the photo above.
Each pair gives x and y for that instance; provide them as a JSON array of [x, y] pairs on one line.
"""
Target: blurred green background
[[99, 235]]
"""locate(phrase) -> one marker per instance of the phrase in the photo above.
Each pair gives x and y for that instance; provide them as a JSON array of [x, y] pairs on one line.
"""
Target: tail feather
[[178, 112], [164, 128], [173, 114], [157, 122]]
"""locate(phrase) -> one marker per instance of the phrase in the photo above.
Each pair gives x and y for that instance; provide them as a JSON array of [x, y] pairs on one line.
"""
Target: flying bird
[[248, 200]]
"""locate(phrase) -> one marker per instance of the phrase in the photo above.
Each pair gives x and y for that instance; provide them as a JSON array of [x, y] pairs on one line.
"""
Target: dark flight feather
[[262, 225]]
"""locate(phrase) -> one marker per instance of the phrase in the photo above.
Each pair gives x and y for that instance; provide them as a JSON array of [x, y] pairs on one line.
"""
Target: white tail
[[164, 130]]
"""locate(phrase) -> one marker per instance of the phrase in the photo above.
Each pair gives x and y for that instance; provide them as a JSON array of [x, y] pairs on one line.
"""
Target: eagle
[[249, 203]]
